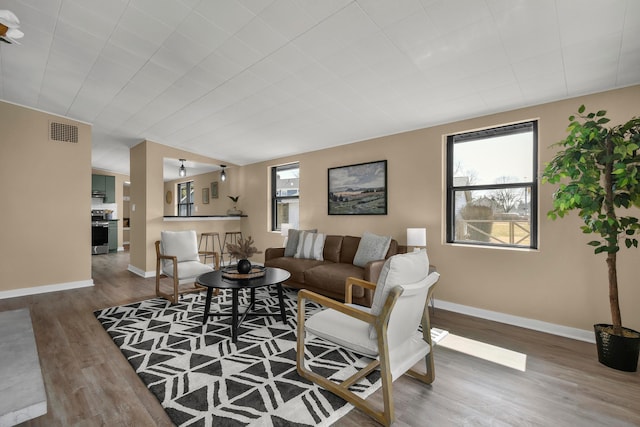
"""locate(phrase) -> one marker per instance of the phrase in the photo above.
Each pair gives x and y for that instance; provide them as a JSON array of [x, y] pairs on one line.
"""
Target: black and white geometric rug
[[202, 379]]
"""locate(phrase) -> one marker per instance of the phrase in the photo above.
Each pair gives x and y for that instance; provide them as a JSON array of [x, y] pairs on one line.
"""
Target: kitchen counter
[[204, 218]]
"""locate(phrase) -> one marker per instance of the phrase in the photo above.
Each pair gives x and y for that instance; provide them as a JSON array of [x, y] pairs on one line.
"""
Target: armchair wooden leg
[[384, 417]]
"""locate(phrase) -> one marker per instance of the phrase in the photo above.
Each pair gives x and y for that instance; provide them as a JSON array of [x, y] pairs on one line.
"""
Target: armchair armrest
[[348, 287], [271, 253], [304, 295]]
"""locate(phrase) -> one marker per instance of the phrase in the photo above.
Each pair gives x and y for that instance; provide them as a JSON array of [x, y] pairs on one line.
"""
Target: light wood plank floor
[[89, 383]]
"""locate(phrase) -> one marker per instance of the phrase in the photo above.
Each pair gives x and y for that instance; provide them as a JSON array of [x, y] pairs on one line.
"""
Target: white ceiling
[[249, 80]]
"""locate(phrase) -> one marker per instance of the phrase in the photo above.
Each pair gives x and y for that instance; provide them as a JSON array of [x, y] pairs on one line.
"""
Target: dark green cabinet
[[104, 184], [113, 236]]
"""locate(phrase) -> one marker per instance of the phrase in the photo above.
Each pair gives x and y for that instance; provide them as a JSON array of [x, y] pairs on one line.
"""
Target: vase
[[244, 266], [617, 352]]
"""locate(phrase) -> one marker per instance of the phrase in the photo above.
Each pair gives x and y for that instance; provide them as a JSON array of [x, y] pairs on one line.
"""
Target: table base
[[236, 317]]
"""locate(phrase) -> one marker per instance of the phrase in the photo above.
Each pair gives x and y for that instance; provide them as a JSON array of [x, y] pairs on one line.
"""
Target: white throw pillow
[[292, 241], [310, 245], [371, 248], [401, 269]]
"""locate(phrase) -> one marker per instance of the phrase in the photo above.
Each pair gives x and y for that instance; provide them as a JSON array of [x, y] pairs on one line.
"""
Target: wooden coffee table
[[215, 280]]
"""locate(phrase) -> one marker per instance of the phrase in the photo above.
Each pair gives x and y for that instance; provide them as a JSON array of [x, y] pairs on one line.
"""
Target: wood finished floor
[[89, 383]]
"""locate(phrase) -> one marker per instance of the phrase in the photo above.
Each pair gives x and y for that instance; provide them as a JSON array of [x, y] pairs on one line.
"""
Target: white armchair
[[387, 332], [178, 259]]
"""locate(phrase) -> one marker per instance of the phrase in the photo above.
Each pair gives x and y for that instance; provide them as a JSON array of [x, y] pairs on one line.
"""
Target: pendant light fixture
[[223, 174], [9, 24], [182, 171]]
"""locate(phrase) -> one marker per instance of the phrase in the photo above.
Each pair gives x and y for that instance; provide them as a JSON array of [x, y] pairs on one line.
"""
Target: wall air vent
[[63, 132]]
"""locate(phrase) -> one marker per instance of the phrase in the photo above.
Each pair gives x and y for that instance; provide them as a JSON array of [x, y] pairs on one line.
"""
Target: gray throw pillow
[[292, 241], [371, 248]]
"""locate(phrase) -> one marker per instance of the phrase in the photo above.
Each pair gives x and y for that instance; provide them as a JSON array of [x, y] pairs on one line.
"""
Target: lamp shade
[[416, 237]]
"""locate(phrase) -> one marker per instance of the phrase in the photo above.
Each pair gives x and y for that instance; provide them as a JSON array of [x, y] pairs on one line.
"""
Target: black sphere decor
[[244, 266], [615, 351]]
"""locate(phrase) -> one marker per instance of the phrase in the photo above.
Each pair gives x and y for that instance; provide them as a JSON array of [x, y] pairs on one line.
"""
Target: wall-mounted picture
[[358, 189], [214, 190], [205, 196]]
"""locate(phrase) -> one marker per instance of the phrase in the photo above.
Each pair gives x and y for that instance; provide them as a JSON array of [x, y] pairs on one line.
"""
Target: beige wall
[[217, 206], [562, 283], [46, 201], [148, 197]]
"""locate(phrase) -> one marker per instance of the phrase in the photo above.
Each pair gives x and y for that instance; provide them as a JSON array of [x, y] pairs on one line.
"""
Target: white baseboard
[[523, 322], [13, 293], [141, 273]]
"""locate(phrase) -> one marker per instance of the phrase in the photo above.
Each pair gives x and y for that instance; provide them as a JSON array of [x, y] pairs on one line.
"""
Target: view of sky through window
[[499, 159]]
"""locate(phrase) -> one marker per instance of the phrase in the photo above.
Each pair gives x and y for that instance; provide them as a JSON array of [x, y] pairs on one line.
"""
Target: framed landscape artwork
[[358, 189]]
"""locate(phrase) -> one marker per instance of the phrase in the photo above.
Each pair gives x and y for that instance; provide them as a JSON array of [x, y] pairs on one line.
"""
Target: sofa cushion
[[349, 249], [371, 248], [310, 246], [332, 248], [332, 276], [292, 241], [295, 266]]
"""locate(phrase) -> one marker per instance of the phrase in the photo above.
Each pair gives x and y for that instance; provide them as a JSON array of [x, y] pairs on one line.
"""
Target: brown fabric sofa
[[327, 277]]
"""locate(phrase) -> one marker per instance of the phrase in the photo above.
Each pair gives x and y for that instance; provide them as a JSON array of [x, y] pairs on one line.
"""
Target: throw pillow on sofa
[[371, 248], [310, 245], [292, 241]]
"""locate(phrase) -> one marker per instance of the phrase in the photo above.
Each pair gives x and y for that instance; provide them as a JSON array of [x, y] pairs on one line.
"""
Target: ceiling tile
[[385, 13], [169, 12], [245, 79], [288, 17], [261, 37], [231, 16], [145, 26]]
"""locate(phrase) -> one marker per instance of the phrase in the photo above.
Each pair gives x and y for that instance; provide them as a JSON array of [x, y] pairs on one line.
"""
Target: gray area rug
[[202, 379]]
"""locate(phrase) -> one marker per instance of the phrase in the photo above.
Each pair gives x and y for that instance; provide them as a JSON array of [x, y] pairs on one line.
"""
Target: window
[[285, 196], [185, 198], [492, 188]]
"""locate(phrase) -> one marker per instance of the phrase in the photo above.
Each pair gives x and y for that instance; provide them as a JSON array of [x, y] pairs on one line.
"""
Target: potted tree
[[598, 172]]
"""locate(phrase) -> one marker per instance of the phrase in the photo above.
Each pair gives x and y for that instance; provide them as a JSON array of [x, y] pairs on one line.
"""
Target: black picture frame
[[359, 189]]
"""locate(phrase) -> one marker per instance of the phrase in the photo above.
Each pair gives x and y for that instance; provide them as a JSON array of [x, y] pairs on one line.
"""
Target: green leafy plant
[[234, 199], [597, 172]]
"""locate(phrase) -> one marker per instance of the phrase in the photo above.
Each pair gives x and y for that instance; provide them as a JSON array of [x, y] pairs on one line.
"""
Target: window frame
[[191, 196], [451, 189], [275, 198]]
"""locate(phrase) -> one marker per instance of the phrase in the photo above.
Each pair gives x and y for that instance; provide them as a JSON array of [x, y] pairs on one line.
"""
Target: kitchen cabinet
[[104, 184], [113, 236]]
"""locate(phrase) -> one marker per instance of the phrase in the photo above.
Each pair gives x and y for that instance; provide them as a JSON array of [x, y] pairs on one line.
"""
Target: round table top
[[214, 279]]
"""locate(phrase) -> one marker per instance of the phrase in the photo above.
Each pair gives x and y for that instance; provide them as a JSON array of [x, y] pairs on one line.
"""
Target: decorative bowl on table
[[231, 272]]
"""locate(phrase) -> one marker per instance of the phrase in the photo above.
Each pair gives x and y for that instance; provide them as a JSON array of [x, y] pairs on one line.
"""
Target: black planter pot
[[244, 266], [615, 351]]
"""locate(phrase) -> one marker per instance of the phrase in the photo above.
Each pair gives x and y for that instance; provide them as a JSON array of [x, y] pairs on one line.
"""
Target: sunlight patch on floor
[[492, 353]]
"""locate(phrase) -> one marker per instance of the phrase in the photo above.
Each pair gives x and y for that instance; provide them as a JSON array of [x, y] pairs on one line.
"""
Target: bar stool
[[233, 237], [206, 252]]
